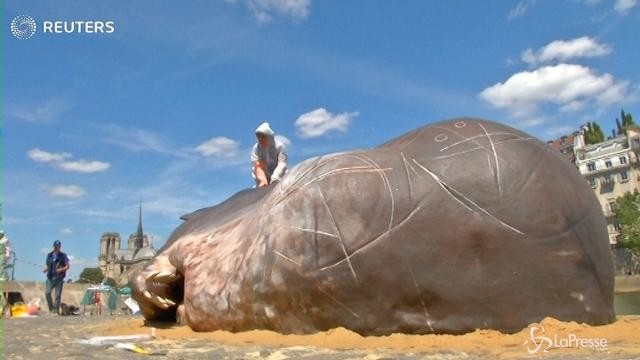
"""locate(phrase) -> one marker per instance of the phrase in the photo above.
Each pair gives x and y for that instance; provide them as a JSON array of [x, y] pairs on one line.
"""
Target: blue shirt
[[54, 262]]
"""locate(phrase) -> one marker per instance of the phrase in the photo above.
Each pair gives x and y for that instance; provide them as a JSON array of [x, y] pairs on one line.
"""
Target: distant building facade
[[565, 145], [612, 169], [116, 262]]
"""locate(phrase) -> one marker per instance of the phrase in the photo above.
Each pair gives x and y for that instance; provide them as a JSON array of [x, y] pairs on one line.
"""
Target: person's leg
[[58, 286], [5, 305], [47, 294]]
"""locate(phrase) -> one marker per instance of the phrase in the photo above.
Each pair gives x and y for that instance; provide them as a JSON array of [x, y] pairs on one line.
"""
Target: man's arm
[[66, 265], [258, 170], [281, 168], [47, 262]]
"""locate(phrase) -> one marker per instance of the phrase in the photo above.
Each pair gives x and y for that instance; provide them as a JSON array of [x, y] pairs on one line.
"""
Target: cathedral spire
[[139, 233]]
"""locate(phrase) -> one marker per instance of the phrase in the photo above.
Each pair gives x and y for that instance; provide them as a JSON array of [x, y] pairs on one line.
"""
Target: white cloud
[[319, 122], [77, 264], [67, 191], [532, 120], [283, 139], [63, 161], [219, 147], [45, 112], [624, 6], [555, 131], [561, 50], [140, 140], [519, 10], [265, 10], [570, 87], [159, 197], [104, 214], [66, 231], [172, 207], [84, 166], [45, 156]]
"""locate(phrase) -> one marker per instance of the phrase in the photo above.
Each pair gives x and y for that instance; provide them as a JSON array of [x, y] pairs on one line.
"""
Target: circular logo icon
[[23, 26]]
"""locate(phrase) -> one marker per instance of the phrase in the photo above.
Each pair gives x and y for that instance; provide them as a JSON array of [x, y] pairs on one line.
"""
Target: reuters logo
[[23, 27]]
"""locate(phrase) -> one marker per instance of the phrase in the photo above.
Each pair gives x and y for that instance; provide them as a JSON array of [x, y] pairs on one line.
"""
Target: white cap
[[265, 129]]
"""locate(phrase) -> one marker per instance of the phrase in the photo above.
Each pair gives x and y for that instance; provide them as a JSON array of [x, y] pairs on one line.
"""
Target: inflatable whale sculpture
[[455, 226]]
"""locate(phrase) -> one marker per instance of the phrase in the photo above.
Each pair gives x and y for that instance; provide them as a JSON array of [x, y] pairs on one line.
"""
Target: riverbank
[[629, 283], [73, 292]]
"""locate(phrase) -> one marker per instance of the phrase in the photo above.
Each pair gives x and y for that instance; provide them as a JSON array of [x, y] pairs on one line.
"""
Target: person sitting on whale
[[268, 157]]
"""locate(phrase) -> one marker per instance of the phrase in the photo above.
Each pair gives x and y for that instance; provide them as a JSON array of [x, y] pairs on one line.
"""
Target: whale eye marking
[[460, 124], [441, 138]]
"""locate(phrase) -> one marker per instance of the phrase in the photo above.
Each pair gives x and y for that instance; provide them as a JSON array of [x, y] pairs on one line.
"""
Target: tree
[[627, 119], [91, 275], [593, 134], [111, 282], [628, 213], [627, 123], [619, 127]]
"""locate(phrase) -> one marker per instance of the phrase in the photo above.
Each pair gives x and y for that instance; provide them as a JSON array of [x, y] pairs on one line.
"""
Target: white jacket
[[274, 157]]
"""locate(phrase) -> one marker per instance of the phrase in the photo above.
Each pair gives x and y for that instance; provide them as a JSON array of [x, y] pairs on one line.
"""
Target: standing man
[[268, 157], [56, 269]]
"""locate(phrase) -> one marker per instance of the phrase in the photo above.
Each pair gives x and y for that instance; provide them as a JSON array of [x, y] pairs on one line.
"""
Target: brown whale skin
[[455, 226]]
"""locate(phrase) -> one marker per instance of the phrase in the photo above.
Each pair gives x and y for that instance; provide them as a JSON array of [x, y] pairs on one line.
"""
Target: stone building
[[116, 262], [565, 145], [612, 169]]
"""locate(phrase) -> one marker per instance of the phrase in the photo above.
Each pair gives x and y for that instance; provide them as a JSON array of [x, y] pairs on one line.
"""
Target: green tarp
[[87, 299], [125, 290]]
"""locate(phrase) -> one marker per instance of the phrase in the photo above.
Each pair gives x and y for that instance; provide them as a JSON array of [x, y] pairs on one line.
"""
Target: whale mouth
[[165, 290]]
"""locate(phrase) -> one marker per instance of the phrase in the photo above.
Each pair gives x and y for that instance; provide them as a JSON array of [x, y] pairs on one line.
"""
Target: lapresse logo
[[538, 340], [24, 27]]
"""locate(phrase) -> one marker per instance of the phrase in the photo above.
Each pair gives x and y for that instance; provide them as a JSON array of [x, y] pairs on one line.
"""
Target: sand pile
[[621, 337]]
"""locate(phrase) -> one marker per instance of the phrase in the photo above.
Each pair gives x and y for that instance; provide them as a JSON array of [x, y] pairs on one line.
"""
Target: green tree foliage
[[627, 119], [593, 134], [91, 275], [625, 122], [628, 213], [111, 282]]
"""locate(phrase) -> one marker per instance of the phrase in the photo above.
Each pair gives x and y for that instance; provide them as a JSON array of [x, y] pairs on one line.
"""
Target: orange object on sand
[[19, 309]]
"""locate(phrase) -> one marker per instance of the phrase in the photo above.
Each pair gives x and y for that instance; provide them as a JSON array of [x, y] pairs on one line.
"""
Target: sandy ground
[[622, 341]]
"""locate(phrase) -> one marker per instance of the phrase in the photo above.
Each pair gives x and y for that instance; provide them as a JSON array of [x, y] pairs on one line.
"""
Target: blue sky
[[163, 110]]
